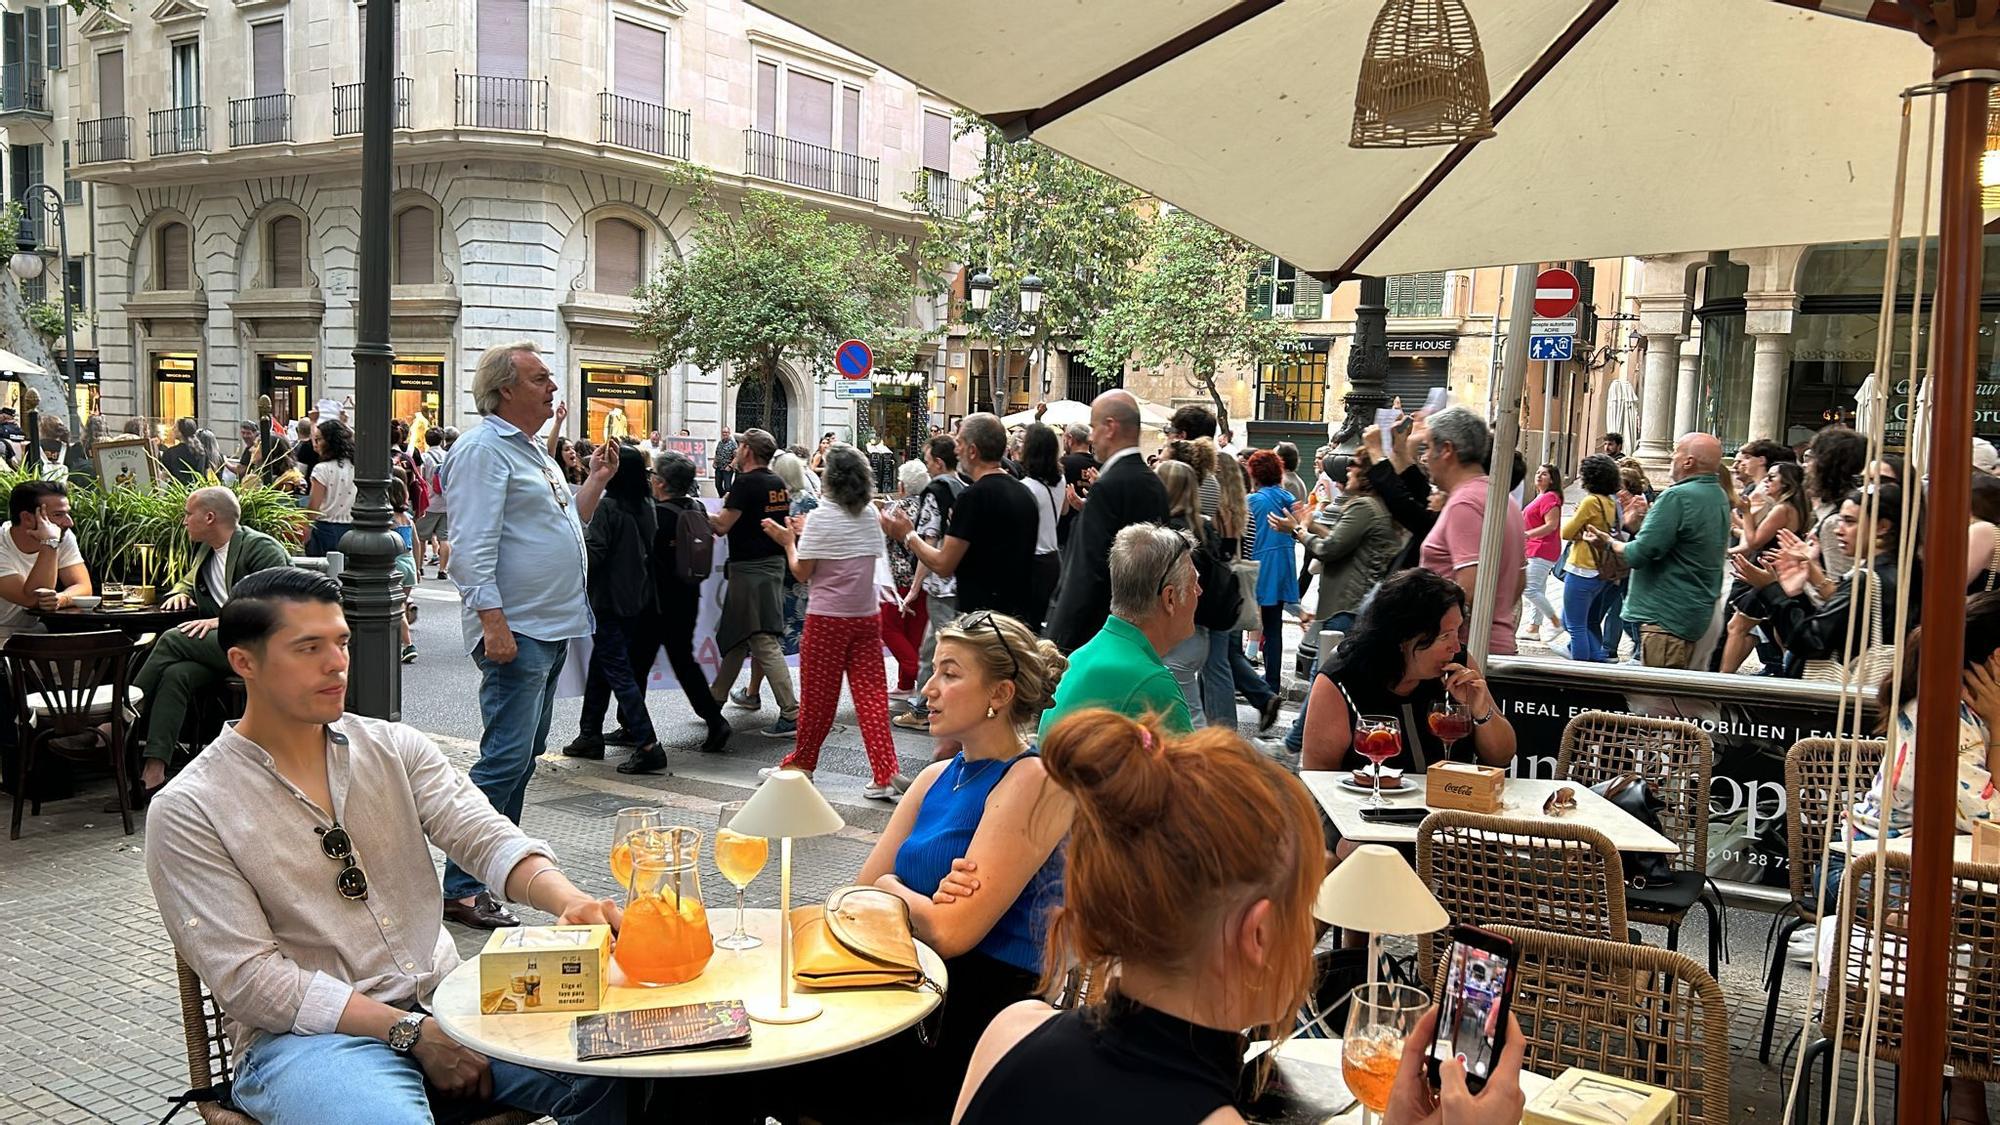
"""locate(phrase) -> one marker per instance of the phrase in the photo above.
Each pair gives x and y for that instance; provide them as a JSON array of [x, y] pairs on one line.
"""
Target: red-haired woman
[[1276, 558]]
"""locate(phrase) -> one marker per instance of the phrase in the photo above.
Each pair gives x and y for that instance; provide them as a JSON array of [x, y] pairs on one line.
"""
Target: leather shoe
[[1268, 714], [646, 759], [718, 738], [483, 914], [583, 746], [620, 737]]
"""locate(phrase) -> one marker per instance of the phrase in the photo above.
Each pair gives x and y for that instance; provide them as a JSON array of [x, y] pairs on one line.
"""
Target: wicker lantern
[[1423, 78]]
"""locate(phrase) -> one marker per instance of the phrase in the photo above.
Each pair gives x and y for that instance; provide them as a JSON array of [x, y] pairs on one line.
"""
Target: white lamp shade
[[1375, 891], [786, 805]]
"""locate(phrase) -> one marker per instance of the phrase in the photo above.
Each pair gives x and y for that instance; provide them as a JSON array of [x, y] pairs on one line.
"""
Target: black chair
[[63, 686]]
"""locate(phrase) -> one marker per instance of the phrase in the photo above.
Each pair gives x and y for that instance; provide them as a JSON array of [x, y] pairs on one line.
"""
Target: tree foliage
[[1186, 306], [774, 282], [1032, 210]]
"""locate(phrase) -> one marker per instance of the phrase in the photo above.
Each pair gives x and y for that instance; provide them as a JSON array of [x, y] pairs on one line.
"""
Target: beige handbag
[[1875, 662], [860, 939]]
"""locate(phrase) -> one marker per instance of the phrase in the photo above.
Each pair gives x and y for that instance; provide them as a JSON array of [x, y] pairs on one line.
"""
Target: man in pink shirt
[[1457, 446]]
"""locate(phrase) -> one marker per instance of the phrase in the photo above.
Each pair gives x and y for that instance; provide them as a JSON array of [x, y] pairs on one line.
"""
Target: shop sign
[[1421, 345], [693, 448]]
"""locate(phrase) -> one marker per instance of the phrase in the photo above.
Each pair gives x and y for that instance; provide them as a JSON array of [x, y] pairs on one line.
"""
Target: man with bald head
[[1125, 492], [1677, 556]]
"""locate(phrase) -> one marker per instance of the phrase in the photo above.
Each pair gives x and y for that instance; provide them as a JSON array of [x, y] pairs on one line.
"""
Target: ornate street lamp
[[1031, 295], [979, 291], [28, 265]]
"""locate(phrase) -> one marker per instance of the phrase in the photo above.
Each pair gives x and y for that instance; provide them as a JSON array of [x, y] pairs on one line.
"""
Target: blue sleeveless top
[[945, 823]]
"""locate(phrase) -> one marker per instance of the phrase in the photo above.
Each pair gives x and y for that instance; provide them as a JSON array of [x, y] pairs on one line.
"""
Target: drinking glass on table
[[1377, 739], [1379, 1016], [1450, 721], [739, 858], [629, 821]]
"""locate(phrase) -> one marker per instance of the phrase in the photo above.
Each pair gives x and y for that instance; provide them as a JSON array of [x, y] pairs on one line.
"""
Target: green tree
[[1187, 306], [775, 281], [1031, 210]]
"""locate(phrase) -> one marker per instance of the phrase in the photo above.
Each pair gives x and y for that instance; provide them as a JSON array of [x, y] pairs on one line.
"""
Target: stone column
[[1662, 321], [1688, 388], [1768, 318]]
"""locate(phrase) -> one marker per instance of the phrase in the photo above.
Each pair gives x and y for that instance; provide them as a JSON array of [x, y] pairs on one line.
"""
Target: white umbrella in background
[[1864, 405], [1061, 412]]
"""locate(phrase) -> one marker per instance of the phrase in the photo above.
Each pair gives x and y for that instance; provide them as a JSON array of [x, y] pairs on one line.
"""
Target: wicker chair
[[1817, 790], [1972, 987], [64, 685], [1651, 1015], [1675, 758], [1563, 878], [208, 1059]]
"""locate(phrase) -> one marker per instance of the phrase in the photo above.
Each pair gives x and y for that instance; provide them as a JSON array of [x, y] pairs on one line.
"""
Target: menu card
[[655, 1031]]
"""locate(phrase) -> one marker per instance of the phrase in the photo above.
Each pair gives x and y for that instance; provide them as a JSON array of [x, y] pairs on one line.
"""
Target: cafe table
[[135, 620], [852, 1017], [1522, 799], [1326, 1052]]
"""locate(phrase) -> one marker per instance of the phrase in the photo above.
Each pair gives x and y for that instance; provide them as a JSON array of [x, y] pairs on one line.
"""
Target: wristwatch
[[403, 1033]]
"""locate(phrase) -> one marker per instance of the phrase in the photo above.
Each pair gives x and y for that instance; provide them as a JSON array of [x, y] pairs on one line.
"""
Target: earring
[[990, 712]]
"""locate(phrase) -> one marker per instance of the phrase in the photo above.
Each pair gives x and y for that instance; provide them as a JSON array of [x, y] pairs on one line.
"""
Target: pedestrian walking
[[724, 462], [753, 609], [1543, 520], [332, 494], [1676, 558], [939, 591], [990, 547], [619, 543], [1042, 473], [433, 528], [1275, 554], [1458, 448], [903, 611], [1125, 492]]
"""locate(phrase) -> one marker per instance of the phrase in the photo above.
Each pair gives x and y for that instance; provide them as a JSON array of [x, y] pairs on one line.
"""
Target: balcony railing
[[262, 120], [946, 195], [631, 123], [347, 108], [488, 102], [24, 88], [106, 138], [772, 157], [181, 129]]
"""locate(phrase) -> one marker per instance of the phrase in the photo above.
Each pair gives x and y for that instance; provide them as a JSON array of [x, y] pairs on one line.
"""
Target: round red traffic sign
[[1556, 293], [854, 359]]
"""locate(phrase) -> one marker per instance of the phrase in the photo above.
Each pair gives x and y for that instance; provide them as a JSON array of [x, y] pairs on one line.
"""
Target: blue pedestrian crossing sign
[[1551, 347]]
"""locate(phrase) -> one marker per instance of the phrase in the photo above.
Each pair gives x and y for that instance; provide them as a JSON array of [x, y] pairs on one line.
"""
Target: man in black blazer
[[1126, 492]]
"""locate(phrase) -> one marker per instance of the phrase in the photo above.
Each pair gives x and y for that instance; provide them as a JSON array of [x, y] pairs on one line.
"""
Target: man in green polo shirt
[[1153, 594], [1677, 557]]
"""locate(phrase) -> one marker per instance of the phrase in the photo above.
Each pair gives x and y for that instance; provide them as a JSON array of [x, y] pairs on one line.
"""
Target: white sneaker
[[881, 793]]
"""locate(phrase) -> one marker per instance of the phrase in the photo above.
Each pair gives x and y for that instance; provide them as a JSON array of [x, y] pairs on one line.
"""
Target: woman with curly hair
[[1277, 569], [1584, 590], [1833, 461], [332, 496]]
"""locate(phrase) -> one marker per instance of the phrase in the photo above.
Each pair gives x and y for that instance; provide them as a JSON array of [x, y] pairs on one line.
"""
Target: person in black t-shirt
[[1079, 468], [753, 608], [990, 547]]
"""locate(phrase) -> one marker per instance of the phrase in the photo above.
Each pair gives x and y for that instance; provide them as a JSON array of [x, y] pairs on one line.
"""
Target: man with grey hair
[[989, 546], [1677, 557], [1126, 492], [1123, 668], [1457, 447], [1079, 468], [187, 661], [518, 562]]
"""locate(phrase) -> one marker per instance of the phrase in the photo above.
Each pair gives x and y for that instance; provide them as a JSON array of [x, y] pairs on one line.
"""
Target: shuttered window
[[639, 62], [850, 119], [1306, 300], [111, 84], [267, 58], [620, 256], [286, 244], [1417, 294], [503, 38], [171, 269], [937, 142], [32, 23], [56, 16], [767, 97], [809, 109], [416, 246]]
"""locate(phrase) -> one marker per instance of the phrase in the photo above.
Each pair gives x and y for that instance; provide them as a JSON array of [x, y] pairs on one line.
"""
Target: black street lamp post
[[27, 264], [1367, 364], [369, 590], [1003, 323]]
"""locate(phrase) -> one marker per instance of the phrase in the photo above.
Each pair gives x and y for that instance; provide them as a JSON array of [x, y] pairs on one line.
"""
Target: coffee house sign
[[1421, 345]]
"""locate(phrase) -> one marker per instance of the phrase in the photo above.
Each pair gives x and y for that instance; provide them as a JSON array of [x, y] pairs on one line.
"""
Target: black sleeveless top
[[1367, 695], [1125, 1062]]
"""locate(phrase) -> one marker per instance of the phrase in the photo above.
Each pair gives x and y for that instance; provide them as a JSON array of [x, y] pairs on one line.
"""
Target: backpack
[[694, 545], [420, 489], [1221, 596], [944, 493]]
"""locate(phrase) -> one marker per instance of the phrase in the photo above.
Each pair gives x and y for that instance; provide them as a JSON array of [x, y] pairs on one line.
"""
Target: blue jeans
[[1218, 679], [1615, 626], [337, 1079], [1186, 661], [516, 701], [612, 674], [1583, 600], [1244, 676]]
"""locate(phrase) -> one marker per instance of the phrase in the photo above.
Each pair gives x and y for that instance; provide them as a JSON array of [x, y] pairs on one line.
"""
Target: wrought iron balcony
[[24, 88], [106, 138], [262, 120], [631, 123], [181, 129], [487, 101], [347, 108], [771, 157], [946, 195]]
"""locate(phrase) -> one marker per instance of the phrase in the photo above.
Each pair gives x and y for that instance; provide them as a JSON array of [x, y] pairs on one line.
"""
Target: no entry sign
[[854, 359], [1556, 293]]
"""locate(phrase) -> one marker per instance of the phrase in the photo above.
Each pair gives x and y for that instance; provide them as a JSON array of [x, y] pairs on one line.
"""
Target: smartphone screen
[[1473, 1020]]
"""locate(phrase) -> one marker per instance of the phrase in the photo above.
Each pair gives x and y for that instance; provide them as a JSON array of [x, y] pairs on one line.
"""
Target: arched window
[[621, 256], [416, 246], [172, 260], [285, 245]]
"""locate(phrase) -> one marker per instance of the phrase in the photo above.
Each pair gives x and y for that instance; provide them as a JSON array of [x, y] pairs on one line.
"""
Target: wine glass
[[1377, 740], [739, 858], [630, 820], [1450, 721], [1379, 1016]]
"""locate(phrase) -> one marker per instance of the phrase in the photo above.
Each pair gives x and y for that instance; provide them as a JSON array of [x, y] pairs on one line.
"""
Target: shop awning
[[1633, 127], [13, 366]]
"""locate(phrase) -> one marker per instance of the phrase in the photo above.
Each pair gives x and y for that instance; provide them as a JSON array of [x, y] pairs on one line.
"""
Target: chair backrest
[[1565, 878], [201, 1023], [67, 670], [1819, 788], [1673, 756], [1631, 1011], [1972, 989]]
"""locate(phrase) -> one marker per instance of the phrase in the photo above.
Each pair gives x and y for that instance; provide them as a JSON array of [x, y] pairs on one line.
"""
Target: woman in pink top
[[838, 548], [1543, 519]]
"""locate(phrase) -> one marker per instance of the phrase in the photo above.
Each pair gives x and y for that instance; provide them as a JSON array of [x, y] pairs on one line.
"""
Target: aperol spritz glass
[[627, 822], [739, 858], [1379, 1016]]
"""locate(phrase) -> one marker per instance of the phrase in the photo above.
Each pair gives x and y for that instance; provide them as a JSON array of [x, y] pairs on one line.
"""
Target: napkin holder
[[1460, 785], [544, 969], [1985, 842], [1585, 1097]]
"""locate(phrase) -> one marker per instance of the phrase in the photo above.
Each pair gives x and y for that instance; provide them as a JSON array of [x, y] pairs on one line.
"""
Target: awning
[[13, 366], [1633, 127]]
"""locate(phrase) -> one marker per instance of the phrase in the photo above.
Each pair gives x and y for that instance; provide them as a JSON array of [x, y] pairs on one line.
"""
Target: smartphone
[[1406, 815], [1477, 995]]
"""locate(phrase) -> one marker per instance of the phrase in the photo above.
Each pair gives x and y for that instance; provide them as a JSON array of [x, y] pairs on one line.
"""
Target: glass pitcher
[[665, 938]]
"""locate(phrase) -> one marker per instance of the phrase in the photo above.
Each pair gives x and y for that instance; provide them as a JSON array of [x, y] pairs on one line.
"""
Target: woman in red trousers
[[839, 550]]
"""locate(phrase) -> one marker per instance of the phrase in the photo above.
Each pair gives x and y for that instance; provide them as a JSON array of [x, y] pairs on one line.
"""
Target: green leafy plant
[[46, 318]]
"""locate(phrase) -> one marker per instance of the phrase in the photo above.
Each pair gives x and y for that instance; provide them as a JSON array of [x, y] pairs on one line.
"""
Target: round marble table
[[853, 1017]]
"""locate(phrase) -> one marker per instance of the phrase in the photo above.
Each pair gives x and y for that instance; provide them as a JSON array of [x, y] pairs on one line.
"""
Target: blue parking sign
[[1551, 347]]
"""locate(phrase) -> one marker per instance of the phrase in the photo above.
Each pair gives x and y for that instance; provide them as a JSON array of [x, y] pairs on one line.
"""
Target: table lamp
[[784, 807], [1375, 891]]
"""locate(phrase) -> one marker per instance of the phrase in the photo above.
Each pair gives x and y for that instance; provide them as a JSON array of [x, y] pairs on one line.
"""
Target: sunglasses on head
[[1181, 547], [985, 617], [352, 882]]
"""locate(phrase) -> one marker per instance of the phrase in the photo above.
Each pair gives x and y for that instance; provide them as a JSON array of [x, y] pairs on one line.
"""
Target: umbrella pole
[[1506, 435]]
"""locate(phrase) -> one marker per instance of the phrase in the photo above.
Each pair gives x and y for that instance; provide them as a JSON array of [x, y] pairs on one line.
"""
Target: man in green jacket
[[1677, 557], [1153, 595], [187, 659]]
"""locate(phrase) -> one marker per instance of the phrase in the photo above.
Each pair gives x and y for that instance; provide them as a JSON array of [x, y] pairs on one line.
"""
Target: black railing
[[24, 88], [181, 129], [810, 166], [631, 123], [946, 195], [488, 102], [347, 108], [106, 138], [262, 120]]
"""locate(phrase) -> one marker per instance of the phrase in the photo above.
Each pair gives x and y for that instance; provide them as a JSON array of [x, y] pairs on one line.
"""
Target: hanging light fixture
[[1423, 78], [979, 290], [1989, 161], [1031, 294]]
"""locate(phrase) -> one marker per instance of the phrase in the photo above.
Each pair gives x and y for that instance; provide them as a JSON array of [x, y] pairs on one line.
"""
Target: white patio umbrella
[[1061, 412]]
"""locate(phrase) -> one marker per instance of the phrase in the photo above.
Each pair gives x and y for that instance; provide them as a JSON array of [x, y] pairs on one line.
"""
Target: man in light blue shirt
[[517, 559]]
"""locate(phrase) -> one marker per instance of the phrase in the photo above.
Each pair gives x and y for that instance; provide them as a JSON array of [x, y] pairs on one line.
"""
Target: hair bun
[[1115, 768]]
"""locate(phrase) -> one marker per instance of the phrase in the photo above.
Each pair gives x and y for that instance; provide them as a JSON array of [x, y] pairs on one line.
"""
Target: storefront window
[[618, 401], [1294, 389], [416, 394], [288, 380], [175, 383]]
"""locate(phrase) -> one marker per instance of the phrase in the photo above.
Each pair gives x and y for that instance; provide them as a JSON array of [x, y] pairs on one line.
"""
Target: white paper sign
[[1385, 421]]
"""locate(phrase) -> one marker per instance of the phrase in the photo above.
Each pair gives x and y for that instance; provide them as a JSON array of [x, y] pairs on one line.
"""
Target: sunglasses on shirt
[[352, 882]]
